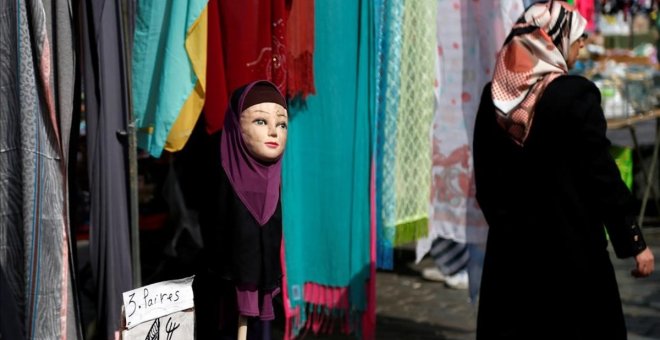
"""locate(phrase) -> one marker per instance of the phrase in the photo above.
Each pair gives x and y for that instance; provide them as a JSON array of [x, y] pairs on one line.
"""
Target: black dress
[[547, 272]]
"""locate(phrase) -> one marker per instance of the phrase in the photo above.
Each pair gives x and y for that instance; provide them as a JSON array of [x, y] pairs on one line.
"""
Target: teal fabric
[[162, 74], [325, 175], [389, 39]]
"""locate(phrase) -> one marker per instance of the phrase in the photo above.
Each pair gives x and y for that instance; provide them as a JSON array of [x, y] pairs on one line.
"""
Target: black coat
[[547, 272]]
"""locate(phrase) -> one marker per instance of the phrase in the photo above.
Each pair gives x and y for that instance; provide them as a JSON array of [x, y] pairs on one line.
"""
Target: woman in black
[[547, 189]]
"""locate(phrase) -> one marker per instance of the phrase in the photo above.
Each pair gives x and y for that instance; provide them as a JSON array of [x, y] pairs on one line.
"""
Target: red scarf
[[246, 42], [300, 40]]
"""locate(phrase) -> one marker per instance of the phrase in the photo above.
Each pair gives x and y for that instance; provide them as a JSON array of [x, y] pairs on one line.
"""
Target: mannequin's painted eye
[[259, 122]]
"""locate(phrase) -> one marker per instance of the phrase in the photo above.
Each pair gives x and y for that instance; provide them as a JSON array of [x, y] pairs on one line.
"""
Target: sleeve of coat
[[608, 191]]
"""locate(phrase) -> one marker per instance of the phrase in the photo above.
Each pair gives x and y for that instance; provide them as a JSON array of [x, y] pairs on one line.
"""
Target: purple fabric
[[256, 184], [252, 302]]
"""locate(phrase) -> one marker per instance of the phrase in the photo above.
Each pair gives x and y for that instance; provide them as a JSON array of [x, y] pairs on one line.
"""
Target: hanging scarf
[[325, 216], [414, 121], [247, 42], [37, 299], [168, 72], [466, 57], [256, 184], [533, 55], [300, 49], [387, 106]]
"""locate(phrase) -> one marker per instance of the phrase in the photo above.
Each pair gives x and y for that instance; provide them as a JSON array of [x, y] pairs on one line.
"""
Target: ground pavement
[[411, 308]]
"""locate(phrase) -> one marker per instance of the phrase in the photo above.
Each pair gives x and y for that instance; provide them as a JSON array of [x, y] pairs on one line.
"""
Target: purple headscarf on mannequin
[[256, 183]]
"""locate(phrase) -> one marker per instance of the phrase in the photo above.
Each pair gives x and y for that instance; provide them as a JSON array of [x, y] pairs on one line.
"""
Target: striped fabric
[[449, 256], [34, 254]]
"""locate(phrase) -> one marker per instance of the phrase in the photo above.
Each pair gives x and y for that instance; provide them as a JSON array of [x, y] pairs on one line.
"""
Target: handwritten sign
[[175, 326], [157, 300]]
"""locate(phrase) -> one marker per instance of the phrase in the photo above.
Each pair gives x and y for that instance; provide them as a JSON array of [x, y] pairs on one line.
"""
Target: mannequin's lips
[[272, 145]]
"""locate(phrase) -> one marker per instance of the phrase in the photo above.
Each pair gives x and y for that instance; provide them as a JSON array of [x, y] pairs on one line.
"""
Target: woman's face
[[574, 51], [264, 130]]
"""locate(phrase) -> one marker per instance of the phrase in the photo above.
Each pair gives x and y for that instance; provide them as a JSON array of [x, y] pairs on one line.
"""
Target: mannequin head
[[263, 122], [264, 130], [251, 146]]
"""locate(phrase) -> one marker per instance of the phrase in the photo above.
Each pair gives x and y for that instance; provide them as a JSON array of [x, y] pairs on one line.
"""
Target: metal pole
[[651, 177], [126, 42]]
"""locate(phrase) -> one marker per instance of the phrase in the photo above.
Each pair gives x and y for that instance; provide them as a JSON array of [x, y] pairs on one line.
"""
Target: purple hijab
[[257, 184]]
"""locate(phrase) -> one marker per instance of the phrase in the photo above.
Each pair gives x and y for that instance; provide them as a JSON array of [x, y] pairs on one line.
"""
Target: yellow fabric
[[196, 41]]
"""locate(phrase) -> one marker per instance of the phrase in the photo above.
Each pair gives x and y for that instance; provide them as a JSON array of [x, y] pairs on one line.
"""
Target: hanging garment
[[168, 72], [106, 105], [325, 179], [414, 120], [36, 96], [388, 73], [469, 36], [300, 47], [250, 37], [217, 93]]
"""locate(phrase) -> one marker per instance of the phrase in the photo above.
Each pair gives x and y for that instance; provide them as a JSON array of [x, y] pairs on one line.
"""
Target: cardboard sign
[[157, 300]]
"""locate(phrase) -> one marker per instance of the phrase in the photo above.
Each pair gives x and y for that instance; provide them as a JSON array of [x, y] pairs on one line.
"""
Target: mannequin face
[[264, 130]]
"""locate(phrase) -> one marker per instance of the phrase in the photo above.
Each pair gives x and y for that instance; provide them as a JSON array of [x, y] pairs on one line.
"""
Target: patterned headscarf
[[534, 54]]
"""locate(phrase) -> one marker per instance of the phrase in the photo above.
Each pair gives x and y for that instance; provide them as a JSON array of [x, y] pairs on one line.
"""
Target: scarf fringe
[[300, 76], [325, 310], [411, 231]]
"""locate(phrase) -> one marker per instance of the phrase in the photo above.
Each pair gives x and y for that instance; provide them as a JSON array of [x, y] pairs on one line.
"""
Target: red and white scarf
[[533, 55]]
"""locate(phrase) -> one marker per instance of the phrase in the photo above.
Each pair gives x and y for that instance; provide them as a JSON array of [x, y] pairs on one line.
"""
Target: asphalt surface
[[411, 308]]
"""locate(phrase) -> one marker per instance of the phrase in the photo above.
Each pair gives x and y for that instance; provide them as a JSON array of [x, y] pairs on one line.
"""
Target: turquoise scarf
[[325, 178]]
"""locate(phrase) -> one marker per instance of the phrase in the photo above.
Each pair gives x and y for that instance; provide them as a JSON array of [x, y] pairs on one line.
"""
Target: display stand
[[648, 172], [242, 328]]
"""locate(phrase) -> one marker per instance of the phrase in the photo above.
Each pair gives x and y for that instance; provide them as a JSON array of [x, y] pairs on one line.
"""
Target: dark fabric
[[263, 93], [236, 246], [237, 250], [10, 324], [216, 313], [106, 111], [547, 267], [36, 273]]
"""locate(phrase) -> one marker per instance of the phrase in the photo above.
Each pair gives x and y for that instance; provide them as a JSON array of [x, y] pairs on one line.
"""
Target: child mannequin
[[242, 223]]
